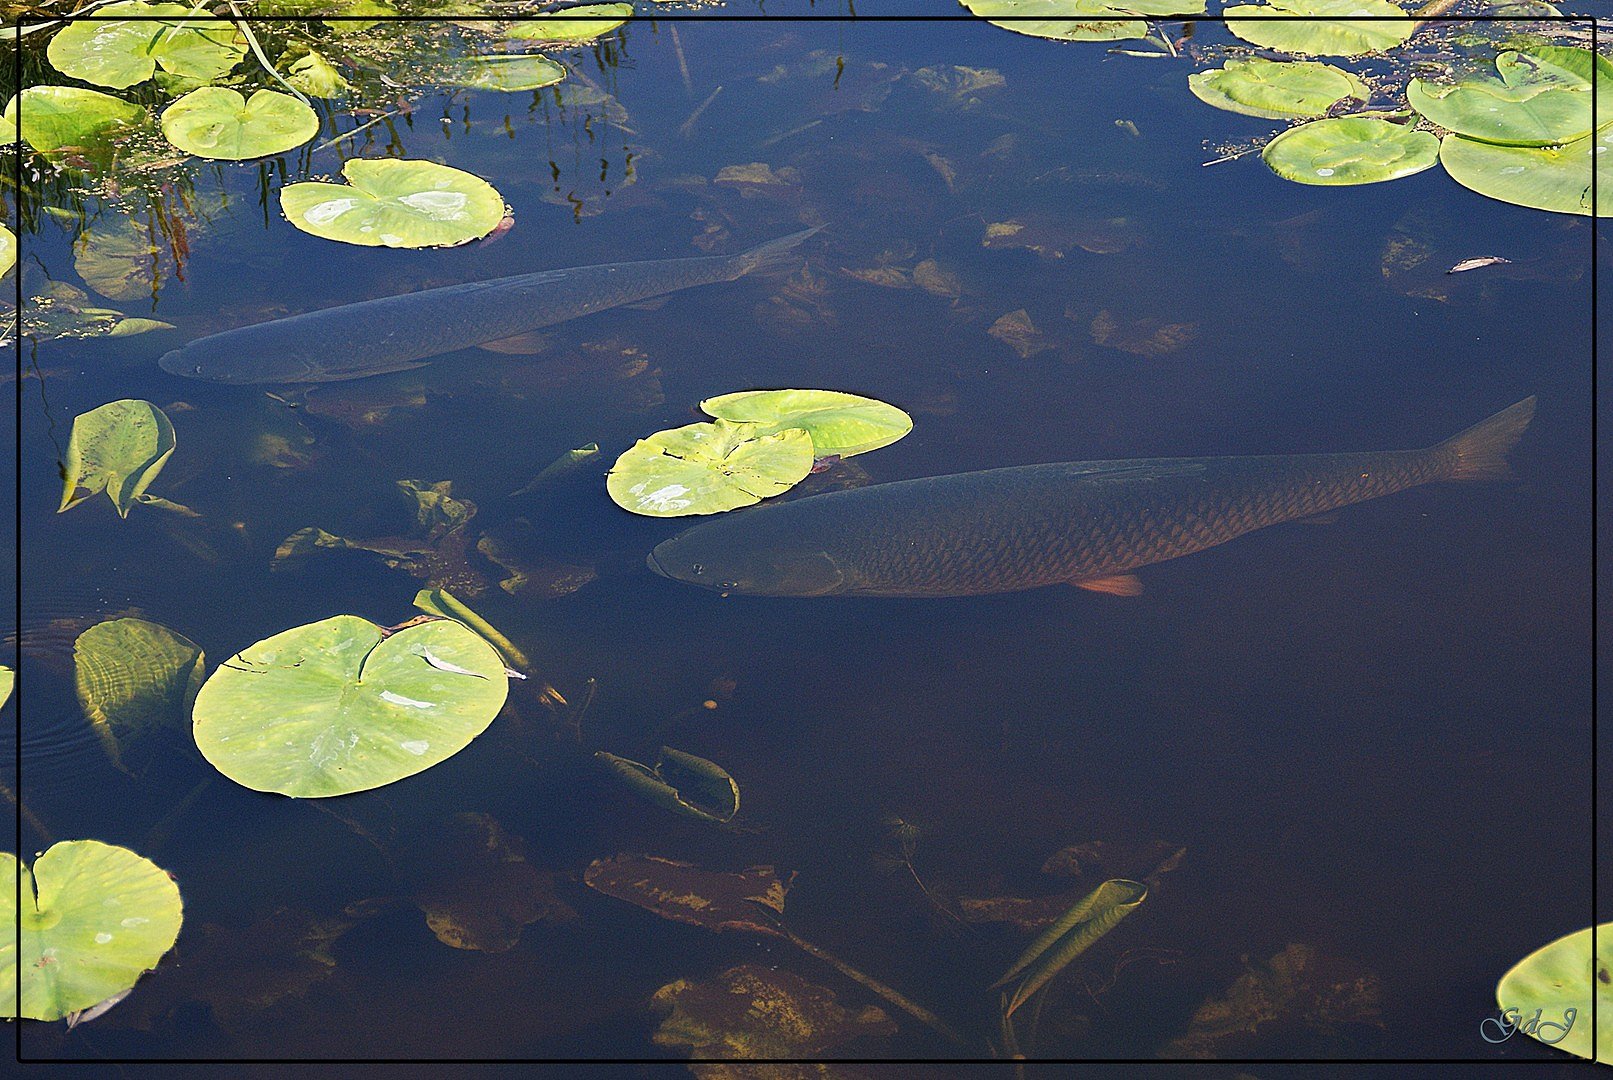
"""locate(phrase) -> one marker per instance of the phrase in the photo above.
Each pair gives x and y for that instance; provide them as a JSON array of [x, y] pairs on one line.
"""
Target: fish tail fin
[[1480, 452], [773, 255]]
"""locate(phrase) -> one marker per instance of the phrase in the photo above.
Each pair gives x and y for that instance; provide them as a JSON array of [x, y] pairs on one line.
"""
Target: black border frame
[[851, 17]]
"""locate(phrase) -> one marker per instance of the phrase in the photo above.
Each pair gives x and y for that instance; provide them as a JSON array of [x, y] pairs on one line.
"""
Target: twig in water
[[405, 110], [910, 1007], [683, 63], [688, 125]]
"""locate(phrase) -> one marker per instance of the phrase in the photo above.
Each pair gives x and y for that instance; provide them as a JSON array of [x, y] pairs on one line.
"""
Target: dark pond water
[[1371, 737]]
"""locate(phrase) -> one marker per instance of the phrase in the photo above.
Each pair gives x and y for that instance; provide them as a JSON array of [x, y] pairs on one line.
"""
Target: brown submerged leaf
[[886, 277], [759, 179], [935, 279], [1052, 238], [1149, 337], [717, 900], [477, 889], [751, 1012], [1016, 330]]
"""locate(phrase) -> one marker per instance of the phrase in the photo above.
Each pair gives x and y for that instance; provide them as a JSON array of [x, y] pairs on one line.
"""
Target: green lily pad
[[1557, 980], [8, 682], [341, 705], [8, 250], [1541, 98], [840, 424], [217, 122], [445, 605], [583, 23], [311, 73], [1555, 178], [1350, 150], [118, 448], [505, 73], [107, 48], [134, 678], [1079, 20], [1303, 26], [708, 468], [396, 203], [1276, 90], [680, 782], [52, 118], [94, 919]]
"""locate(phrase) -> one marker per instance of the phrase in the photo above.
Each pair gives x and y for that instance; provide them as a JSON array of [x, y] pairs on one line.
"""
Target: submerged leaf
[[472, 881], [1559, 979], [217, 122], [134, 678], [122, 260], [680, 782], [752, 1012], [507, 73], [340, 706], [683, 892], [1349, 150], [118, 448], [557, 468], [839, 423], [1071, 935], [1016, 330], [708, 468], [94, 919], [396, 203]]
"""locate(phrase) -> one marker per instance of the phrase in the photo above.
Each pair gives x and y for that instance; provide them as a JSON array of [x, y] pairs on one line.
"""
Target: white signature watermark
[[1511, 1021]]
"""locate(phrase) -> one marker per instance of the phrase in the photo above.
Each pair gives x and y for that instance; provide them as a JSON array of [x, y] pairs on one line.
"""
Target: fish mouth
[[650, 561], [173, 362]]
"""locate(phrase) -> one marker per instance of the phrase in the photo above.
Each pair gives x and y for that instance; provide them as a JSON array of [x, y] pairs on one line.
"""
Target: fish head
[[700, 557], [240, 367]]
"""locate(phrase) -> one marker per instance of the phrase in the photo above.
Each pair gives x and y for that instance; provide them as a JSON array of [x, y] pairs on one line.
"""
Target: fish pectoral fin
[[1328, 518], [1117, 585], [519, 345]]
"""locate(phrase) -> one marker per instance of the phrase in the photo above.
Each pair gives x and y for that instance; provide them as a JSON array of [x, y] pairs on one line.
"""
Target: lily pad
[[1079, 20], [311, 72], [134, 678], [708, 468], [1555, 178], [52, 118], [1304, 26], [217, 122], [839, 423], [1557, 980], [121, 259], [108, 48], [504, 73], [118, 448], [342, 705], [472, 881], [1093, 916], [1540, 98], [396, 203], [583, 23], [754, 1012], [94, 919], [8, 250], [713, 899], [8, 682], [446, 605], [1349, 150], [680, 782], [1276, 90]]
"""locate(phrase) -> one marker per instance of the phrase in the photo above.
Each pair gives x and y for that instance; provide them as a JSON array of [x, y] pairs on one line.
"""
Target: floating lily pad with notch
[[1348, 150], [1276, 90], [582, 23], [94, 918], [52, 118], [118, 448], [217, 122], [1539, 98], [708, 468], [1079, 20], [124, 43], [396, 203], [342, 705], [1557, 979], [839, 423], [1304, 26], [1555, 178], [503, 73]]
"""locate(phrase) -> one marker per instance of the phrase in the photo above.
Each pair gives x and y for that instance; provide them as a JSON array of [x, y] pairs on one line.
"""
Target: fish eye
[[697, 568]]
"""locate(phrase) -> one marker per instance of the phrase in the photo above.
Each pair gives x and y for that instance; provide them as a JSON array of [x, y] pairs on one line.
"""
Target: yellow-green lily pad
[[583, 23], [51, 118], [1276, 89], [108, 48], [1555, 178], [396, 203], [1557, 980], [118, 448], [1539, 98], [708, 468], [1349, 150], [840, 424], [1305, 26], [504, 73], [342, 705], [1079, 20], [94, 919], [8, 250], [217, 122]]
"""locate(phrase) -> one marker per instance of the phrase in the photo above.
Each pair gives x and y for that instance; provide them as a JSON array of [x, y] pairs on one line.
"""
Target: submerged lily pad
[[133, 678], [217, 122], [118, 448], [1557, 979], [396, 203], [1304, 26], [108, 48], [342, 705], [472, 881], [583, 23], [52, 118], [1079, 20], [1541, 98], [839, 423], [1093, 916], [1350, 150], [714, 899], [505, 73], [94, 919], [681, 782], [754, 1012], [1276, 90], [1555, 178], [708, 468]]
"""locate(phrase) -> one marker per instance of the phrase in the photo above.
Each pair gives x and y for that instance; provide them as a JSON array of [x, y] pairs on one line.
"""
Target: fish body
[[396, 333], [1082, 523]]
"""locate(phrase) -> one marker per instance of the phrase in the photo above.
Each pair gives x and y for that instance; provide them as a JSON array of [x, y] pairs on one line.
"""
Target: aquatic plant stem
[[257, 51], [683, 62], [687, 127], [912, 1008], [44, 834]]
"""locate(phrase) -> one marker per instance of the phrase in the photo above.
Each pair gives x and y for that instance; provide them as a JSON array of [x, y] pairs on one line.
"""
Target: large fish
[[395, 333], [1086, 523]]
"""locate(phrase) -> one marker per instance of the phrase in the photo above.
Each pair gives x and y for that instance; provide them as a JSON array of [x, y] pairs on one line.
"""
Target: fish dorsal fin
[[1133, 470], [1117, 585]]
